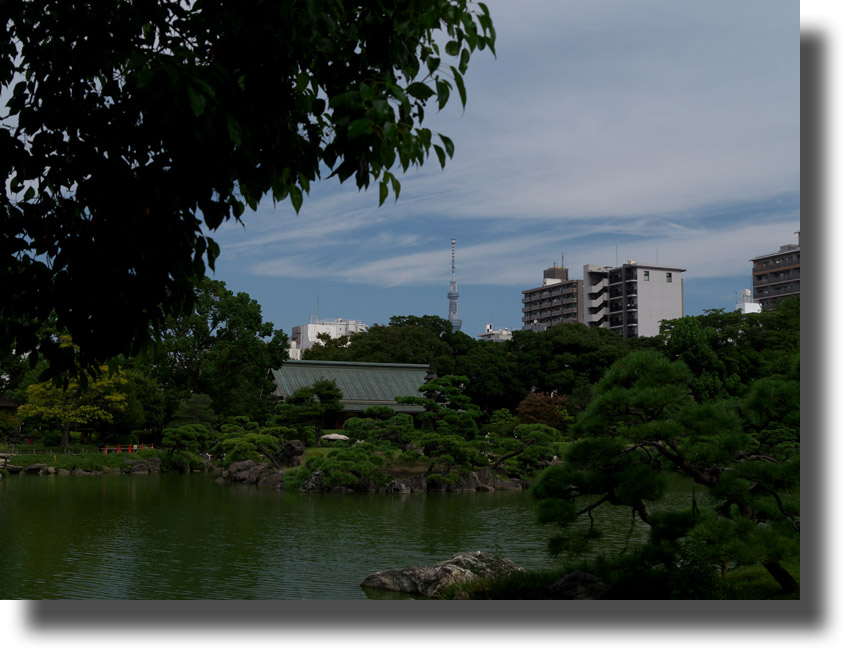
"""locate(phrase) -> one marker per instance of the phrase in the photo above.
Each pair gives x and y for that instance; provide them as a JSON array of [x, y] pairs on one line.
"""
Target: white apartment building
[[633, 299], [305, 336]]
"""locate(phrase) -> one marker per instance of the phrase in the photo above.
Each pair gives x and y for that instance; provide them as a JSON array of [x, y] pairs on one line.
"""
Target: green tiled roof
[[362, 383]]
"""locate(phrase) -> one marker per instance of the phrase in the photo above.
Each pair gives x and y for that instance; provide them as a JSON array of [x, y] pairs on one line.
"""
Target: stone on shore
[[430, 580], [579, 585]]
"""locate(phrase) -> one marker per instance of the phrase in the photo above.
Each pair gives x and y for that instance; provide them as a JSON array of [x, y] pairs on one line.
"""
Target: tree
[[528, 447], [564, 357], [128, 125], [550, 410], [245, 445], [196, 409], [312, 404], [487, 366], [727, 351], [145, 404], [75, 405], [643, 420], [183, 441], [396, 344], [397, 429], [446, 407], [222, 349]]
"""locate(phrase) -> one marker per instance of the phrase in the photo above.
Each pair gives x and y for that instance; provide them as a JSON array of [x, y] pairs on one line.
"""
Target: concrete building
[[633, 299], [775, 276], [746, 305], [503, 334], [305, 336], [557, 300]]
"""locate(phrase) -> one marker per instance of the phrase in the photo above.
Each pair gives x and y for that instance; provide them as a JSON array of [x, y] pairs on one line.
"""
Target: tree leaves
[[160, 115]]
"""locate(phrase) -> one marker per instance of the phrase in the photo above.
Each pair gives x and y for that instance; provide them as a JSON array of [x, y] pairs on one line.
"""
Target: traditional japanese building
[[362, 384]]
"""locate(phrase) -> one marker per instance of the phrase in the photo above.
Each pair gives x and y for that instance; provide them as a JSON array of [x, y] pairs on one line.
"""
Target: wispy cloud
[[603, 131]]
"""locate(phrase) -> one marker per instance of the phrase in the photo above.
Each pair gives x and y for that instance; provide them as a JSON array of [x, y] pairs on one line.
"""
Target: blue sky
[[603, 131]]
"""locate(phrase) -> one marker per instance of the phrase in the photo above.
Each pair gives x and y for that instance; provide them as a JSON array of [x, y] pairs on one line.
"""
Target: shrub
[[51, 439]]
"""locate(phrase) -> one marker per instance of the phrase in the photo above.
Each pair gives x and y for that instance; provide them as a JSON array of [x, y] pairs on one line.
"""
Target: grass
[[745, 583], [87, 461], [755, 582]]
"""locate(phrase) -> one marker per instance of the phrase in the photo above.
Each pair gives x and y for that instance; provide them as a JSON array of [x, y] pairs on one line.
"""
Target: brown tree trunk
[[782, 576], [65, 436], [66, 426]]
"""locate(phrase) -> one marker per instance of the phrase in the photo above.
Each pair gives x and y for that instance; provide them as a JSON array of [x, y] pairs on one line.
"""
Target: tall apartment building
[[775, 276], [633, 299], [558, 300], [305, 336]]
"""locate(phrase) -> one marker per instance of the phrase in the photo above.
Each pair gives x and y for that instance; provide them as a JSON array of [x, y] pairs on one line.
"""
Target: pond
[[186, 537]]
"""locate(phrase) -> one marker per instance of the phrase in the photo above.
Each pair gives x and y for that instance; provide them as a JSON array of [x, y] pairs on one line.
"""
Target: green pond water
[[186, 537]]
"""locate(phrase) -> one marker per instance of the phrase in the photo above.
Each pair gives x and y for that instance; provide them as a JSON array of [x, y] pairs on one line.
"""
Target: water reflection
[[185, 537]]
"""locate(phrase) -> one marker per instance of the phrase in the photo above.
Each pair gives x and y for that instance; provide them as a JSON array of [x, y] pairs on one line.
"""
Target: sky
[[602, 132]]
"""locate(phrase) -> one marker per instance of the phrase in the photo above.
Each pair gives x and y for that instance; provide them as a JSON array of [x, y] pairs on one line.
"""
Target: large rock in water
[[431, 579]]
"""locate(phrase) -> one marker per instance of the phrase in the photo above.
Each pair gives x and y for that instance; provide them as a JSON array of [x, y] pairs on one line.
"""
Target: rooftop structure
[[746, 305], [503, 334]]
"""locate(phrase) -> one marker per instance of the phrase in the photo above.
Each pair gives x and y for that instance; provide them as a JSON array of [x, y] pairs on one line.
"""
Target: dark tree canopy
[[129, 125]]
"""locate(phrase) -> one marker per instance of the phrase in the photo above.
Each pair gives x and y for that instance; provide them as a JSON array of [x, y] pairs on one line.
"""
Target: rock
[[395, 486], [273, 480], [484, 488], [314, 483], [508, 485], [247, 472], [485, 477], [143, 466], [63, 471], [240, 466], [579, 585], [249, 475], [80, 471], [431, 579], [481, 479], [295, 448], [34, 469], [417, 484]]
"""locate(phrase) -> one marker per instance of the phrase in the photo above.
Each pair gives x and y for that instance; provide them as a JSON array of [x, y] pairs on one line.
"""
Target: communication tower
[[452, 295]]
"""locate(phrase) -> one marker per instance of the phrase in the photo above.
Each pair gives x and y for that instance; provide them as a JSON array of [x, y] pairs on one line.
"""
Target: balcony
[[787, 262], [775, 279]]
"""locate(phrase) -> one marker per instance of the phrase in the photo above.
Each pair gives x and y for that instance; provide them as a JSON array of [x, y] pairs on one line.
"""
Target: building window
[[669, 277], [646, 275]]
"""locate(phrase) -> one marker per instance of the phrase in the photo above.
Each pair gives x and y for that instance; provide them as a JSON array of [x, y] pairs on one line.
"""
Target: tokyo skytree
[[452, 295]]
